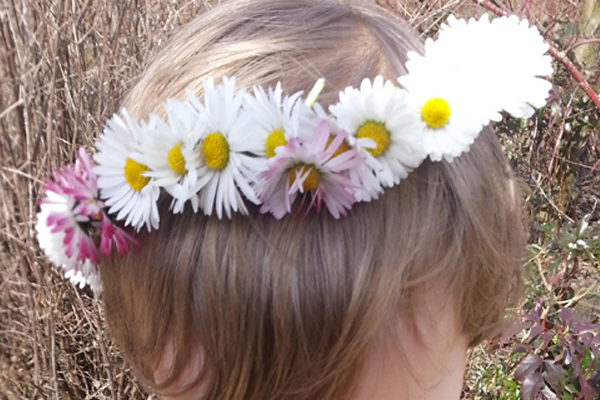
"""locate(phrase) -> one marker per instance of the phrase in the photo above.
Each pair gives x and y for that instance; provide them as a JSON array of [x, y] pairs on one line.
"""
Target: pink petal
[[320, 137]]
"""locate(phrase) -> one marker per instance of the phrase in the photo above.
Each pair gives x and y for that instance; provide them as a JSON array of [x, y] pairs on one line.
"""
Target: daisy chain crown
[[271, 149]]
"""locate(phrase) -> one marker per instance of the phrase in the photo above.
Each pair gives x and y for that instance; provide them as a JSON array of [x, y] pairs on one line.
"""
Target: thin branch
[[581, 43], [554, 52], [492, 7], [564, 60], [561, 130]]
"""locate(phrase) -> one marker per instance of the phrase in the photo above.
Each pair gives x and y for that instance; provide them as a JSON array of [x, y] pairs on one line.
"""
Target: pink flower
[[76, 241], [363, 176], [64, 239], [318, 166], [80, 182], [72, 220], [73, 208], [114, 234]]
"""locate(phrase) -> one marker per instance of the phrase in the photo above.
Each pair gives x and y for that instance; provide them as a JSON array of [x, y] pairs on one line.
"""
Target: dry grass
[[65, 65]]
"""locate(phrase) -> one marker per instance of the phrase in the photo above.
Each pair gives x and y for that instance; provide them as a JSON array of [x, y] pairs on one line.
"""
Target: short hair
[[292, 305]]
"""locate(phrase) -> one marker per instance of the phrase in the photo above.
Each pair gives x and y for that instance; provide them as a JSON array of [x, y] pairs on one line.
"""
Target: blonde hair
[[287, 309]]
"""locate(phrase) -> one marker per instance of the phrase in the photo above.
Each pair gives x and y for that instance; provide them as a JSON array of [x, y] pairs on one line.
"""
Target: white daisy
[[122, 181], [471, 74], [379, 112], [170, 152], [504, 58], [275, 119], [227, 170], [448, 118]]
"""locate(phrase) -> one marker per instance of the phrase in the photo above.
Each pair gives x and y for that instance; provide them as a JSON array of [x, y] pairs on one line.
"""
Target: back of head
[[290, 308]]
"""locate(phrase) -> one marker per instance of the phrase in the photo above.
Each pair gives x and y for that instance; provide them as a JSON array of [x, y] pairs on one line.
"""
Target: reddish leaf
[[587, 326], [549, 395], [528, 366], [547, 337], [566, 316], [520, 349], [514, 330], [568, 355], [532, 386], [587, 392], [534, 332], [595, 350], [554, 374], [586, 338], [595, 380], [561, 355], [534, 315]]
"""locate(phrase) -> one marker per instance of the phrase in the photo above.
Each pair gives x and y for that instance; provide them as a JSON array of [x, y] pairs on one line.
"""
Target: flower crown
[[273, 150]]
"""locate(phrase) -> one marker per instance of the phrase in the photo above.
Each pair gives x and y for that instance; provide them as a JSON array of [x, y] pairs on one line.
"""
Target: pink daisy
[[69, 220], [363, 176], [315, 170], [80, 183], [114, 234], [66, 222]]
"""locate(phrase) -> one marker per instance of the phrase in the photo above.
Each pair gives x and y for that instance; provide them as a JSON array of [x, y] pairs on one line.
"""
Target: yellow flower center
[[176, 160], [375, 131], [215, 150], [312, 180], [436, 112], [133, 174], [341, 149], [274, 140]]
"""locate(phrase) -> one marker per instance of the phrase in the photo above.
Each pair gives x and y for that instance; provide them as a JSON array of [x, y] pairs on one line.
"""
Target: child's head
[[292, 308]]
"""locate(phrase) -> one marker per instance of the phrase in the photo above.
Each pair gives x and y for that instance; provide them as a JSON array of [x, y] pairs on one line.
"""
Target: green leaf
[[571, 389], [587, 359], [510, 384]]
